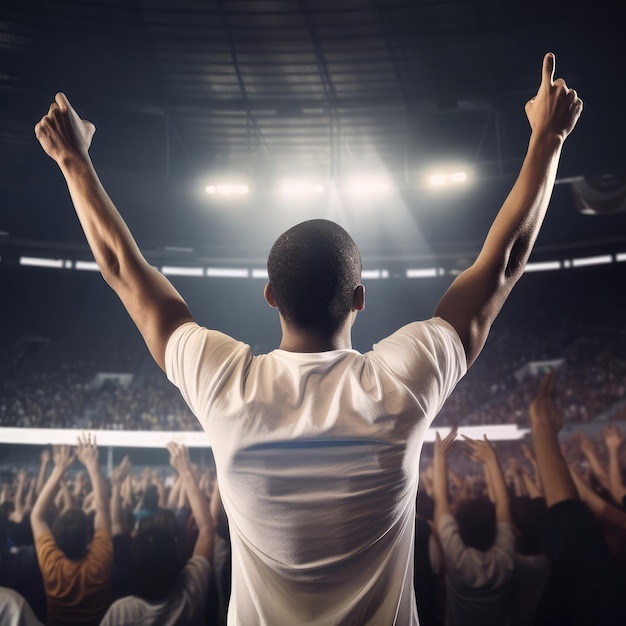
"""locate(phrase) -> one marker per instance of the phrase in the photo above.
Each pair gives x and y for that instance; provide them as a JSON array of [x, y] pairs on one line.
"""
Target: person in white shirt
[[316, 445], [170, 591]]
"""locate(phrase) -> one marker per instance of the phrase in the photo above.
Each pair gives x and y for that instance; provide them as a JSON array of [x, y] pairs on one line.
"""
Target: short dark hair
[[156, 562], [72, 533], [313, 269], [476, 518]]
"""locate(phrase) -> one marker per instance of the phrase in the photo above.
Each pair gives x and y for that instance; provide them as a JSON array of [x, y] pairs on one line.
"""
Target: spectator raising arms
[[76, 568], [477, 541], [170, 592]]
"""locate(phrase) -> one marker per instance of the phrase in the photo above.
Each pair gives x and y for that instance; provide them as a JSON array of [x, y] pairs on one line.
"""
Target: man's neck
[[307, 342]]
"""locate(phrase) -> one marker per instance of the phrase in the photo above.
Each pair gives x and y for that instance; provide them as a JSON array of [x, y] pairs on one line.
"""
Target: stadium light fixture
[[364, 185], [40, 262], [447, 178], [301, 188], [227, 189]]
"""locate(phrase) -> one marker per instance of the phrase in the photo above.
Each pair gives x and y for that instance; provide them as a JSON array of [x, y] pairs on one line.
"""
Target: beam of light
[[367, 185], [592, 260], [39, 262], [543, 266], [447, 178], [374, 274], [171, 270], [227, 189], [260, 273], [301, 188], [620, 257], [88, 266], [422, 273], [227, 272]]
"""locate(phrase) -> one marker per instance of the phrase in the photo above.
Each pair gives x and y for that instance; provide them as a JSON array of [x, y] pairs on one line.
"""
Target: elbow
[[110, 266], [516, 261]]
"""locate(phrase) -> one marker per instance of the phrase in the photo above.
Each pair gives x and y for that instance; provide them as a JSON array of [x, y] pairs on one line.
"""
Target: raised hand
[[119, 473], [87, 450], [62, 456], [45, 456], [556, 108], [443, 446], [613, 437], [179, 457], [543, 409], [479, 450], [587, 447], [62, 133]]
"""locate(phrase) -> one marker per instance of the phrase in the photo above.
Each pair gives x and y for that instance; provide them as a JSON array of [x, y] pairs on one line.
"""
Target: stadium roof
[[186, 91]]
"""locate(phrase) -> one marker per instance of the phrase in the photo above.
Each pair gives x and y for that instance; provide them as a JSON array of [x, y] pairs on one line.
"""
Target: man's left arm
[[150, 299]]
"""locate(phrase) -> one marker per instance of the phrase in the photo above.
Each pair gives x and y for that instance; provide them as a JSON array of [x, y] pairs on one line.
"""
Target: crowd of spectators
[[51, 384], [518, 533]]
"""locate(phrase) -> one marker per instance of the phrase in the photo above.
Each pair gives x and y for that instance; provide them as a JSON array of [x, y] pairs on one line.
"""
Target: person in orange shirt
[[76, 567]]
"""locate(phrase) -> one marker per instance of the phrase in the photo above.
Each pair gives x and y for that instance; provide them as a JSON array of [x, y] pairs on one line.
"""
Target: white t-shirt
[[14, 610], [317, 456], [476, 580], [184, 606]]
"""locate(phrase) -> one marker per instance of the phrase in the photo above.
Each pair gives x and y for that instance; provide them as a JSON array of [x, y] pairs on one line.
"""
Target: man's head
[[314, 269], [72, 533]]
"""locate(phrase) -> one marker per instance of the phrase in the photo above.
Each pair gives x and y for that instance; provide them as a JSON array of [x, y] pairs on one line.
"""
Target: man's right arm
[[150, 299]]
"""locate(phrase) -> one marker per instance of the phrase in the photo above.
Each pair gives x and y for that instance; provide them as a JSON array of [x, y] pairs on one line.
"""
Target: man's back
[[317, 456]]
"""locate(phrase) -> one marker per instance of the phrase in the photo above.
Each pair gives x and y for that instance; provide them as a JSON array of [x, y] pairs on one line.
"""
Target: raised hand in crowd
[[199, 503], [546, 421], [484, 453], [613, 439], [118, 478], [440, 473], [588, 448]]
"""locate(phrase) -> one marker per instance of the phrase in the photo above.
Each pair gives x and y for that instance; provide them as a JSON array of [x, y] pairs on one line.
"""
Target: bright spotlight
[[227, 189], [438, 180], [458, 177], [301, 188], [447, 179], [360, 186]]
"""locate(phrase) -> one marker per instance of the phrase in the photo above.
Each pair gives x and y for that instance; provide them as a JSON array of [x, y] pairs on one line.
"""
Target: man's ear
[[268, 294], [358, 298]]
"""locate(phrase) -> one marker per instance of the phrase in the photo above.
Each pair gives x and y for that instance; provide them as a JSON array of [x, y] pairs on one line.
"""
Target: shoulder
[[434, 335], [46, 547], [197, 571], [191, 344], [127, 610]]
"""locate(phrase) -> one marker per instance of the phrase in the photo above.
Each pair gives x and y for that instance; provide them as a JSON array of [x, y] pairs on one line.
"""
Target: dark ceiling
[[184, 90]]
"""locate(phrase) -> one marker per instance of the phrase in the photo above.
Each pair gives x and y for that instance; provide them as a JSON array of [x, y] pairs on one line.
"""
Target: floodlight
[[301, 188], [365, 185], [39, 262], [592, 260], [227, 189], [446, 178]]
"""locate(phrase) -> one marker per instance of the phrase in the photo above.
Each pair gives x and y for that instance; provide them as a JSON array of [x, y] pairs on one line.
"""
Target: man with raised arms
[[316, 445]]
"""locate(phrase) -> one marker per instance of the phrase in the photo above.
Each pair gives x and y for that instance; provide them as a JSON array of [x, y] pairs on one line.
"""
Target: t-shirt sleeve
[[200, 362], [451, 543], [428, 358], [197, 573], [101, 555], [50, 558]]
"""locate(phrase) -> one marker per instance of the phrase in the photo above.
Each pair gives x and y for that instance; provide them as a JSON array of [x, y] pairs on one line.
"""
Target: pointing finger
[[547, 72], [62, 101]]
